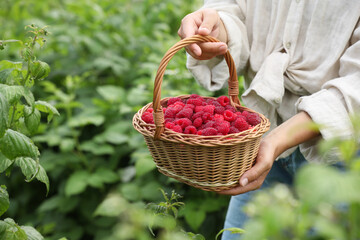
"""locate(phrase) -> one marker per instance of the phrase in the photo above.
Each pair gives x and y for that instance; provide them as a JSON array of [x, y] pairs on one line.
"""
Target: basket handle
[[232, 82]]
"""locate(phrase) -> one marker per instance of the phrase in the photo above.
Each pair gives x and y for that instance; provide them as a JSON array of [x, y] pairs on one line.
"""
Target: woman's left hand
[[255, 176]]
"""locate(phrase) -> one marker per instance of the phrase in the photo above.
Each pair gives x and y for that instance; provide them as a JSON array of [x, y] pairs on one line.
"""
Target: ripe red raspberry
[[173, 100], [207, 116], [253, 119], [244, 113], [199, 108], [169, 120], [209, 108], [229, 116], [147, 117], [209, 131], [241, 124], [199, 132], [198, 122], [150, 110], [233, 130], [231, 108], [209, 124], [190, 130], [169, 125], [219, 109], [191, 106], [197, 115], [177, 128], [170, 112], [195, 101], [218, 117], [183, 122], [185, 113], [210, 101], [195, 96], [223, 127], [223, 100]]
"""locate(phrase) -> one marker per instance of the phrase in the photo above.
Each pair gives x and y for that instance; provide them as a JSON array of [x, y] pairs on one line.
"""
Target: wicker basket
[[211, 163]]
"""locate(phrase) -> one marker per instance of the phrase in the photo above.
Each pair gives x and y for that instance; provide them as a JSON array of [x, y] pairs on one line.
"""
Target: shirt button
[[288, 45], [277, 100]]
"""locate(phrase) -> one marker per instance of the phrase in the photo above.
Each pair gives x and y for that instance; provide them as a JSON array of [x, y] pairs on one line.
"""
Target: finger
[[210, 22], [254, 185]]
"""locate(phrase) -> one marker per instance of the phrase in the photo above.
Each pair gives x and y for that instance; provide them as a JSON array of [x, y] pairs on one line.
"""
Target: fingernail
[[223, 48], [204, 29], [244, 182]]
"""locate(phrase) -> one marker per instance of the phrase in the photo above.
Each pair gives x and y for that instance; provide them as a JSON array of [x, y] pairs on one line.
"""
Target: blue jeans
[[282, 171]]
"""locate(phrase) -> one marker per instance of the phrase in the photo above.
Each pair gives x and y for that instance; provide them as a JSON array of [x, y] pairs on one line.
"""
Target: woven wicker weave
[[211, 163]]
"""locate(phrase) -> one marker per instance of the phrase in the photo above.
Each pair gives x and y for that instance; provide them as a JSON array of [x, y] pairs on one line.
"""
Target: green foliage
[[103, 57]]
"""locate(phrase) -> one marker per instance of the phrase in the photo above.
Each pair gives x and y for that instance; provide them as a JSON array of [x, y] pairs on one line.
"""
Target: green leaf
[[32, 119], [194, 216], [32, 233], [12, 93], [85, 118], [5, 74], [4, 114], [111, 93], [112, 206], [144, 163], [39, 70], [46, 108], [29, 167], [97, 149], [4, 200], [15, 144], [233, 230], [76, 183], [9, 230], [4, 163]]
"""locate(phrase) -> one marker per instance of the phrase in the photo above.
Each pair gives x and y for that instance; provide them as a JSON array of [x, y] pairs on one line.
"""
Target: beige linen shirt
[[295, 55]]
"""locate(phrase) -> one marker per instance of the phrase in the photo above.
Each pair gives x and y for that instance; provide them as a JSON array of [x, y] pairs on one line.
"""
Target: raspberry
[[170, 112], [209, 108], [195, 101], [185, 113], [223, 127], [233, 130], [169, 120], [199, 108], [191, 106], [173, 100], [177, 128], [253, 119], [209, 124], [209, 131], [183, 122], [197, 115], [190, 130], [147, 117], [231, 108], [169, 125], [210, 101], [195, 96], [207, 117], [219, 109], [198, 122], [245, 113], [241, 124], [218, 117], [199, 132], [150, 110], [223, 100], [229, 115]]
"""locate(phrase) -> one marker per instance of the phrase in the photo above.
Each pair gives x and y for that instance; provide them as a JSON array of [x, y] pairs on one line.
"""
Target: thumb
[[210, 21]]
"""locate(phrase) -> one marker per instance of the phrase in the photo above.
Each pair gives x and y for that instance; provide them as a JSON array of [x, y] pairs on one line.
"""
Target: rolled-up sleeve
[[338, 98], [213, 74]]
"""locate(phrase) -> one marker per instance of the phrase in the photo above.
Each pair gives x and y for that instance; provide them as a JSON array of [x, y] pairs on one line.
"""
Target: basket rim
[[148, 130]]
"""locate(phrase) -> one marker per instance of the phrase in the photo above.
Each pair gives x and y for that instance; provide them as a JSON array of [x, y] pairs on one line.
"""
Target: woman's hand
[[204, 22], [291, 133]]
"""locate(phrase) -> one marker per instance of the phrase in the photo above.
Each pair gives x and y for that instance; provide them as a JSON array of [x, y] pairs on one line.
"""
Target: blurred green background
[[103, 56]]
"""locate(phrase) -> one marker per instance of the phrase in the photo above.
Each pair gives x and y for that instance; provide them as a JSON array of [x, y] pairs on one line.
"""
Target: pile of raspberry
[[206, 117]]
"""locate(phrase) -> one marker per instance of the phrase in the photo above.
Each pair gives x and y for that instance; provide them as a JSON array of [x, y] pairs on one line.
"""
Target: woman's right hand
[[204, 22]]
